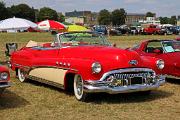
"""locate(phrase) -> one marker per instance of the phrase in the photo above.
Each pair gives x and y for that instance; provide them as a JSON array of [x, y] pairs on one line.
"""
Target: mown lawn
[[36, 101]]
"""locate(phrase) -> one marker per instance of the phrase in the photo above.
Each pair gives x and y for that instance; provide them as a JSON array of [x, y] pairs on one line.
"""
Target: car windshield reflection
[[171, 46], [83, 38]]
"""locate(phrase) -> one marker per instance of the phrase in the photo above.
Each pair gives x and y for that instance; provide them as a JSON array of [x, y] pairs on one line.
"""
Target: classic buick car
[[85, 62], [167, 50], [4, 78]]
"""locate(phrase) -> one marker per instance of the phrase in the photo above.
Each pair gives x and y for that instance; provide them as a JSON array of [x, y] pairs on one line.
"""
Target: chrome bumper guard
[[5, 85], [125, 81]]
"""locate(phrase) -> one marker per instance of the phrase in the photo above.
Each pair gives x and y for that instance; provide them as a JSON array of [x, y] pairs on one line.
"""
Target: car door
[[46, 66]]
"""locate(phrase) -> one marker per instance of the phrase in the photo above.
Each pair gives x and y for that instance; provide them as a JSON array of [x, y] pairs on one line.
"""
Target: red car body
[[162, 49], [98, 67], [4, 78], [151, 29]]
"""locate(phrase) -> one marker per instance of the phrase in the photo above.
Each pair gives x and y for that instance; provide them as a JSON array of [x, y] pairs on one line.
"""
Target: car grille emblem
[[133, 62]]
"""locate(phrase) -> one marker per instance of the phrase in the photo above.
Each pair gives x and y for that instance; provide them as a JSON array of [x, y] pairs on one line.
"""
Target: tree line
[[116, 17], [29, 13]]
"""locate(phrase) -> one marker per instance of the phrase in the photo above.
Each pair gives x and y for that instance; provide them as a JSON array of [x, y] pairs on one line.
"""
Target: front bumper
[[106, 87], [5, 85]]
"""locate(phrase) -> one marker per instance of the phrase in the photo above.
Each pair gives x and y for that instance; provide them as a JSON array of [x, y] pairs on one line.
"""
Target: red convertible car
[[4, 78], [167, 50], [85, 62]]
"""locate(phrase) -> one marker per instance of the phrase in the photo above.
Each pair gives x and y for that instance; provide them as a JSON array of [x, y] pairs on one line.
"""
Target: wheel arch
[[68, 81]]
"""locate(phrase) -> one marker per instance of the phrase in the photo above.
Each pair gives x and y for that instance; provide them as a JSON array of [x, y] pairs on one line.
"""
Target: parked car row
[[86, 63], [135, 30]]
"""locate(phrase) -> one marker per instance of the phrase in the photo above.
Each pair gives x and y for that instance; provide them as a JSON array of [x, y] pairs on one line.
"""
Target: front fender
[[150, 62]]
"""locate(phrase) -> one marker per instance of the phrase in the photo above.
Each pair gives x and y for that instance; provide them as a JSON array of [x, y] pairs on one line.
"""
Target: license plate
[[136, 80]]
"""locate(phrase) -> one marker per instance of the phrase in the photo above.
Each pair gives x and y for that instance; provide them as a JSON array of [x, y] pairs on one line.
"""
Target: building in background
[[134, 18], [178, 20], [150, 20], [81, 17], [75, 20]]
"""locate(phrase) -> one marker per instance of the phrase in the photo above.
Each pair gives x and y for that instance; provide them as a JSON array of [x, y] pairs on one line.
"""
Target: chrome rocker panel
[[103, 86]]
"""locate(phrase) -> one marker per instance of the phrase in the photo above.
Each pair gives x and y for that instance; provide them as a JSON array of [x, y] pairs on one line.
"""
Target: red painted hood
[[101, 54], [98, 52]]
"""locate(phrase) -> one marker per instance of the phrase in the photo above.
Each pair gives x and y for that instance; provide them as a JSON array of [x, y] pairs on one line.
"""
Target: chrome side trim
[[5, 85], [44, 66], [45, 81]]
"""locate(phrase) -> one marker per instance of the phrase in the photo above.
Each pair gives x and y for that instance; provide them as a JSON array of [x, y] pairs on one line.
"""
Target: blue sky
[[161, 7]]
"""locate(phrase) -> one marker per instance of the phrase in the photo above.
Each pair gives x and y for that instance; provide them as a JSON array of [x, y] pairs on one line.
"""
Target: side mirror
[[157, 51], [114, 45]]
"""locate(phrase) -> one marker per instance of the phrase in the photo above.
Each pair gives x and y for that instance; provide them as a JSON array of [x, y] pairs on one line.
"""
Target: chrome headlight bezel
[[4, 75], [96, 67], [160, 64]]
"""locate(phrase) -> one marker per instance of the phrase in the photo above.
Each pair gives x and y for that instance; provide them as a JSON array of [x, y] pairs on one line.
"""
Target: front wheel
[[78, 88], [21, 75]]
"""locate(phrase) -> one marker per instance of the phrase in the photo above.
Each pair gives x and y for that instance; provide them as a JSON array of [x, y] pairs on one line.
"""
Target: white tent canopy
[[16, 24]]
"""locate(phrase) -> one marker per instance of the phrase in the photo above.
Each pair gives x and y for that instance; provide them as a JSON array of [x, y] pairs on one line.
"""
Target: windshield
[[171, 46], [83, 38]]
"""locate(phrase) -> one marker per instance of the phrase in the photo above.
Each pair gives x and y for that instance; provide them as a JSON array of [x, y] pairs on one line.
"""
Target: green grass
[[36, 101]]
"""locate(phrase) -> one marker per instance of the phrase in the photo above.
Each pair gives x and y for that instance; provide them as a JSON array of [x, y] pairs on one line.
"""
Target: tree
[[23, 11], [150, 14], [47, 13], [118, 17], [173, 20], [104, 17], [61, 17], [164, 20], [4, 13]]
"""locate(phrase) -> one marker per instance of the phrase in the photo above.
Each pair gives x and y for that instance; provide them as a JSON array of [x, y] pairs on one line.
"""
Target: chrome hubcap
[[79, 85]]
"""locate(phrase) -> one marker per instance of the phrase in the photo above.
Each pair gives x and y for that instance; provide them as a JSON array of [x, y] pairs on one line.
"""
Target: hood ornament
[[133, 62]]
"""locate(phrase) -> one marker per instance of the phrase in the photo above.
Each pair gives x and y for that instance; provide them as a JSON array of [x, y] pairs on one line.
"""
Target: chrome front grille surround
[[126, 77], [125, 80]]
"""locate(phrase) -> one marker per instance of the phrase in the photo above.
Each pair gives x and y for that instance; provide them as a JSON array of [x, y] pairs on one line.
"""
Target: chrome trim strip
[[124, 89], [44, 66]]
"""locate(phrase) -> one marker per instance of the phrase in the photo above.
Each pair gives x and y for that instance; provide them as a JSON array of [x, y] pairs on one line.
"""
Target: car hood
[[101, 54]]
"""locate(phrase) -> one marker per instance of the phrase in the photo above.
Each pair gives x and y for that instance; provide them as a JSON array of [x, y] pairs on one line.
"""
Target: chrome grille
[[131, 75], [130, 78]]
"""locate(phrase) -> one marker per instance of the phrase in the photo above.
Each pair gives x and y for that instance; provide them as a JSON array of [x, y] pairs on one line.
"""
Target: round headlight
[[160, 64], [96, 67], [4, 76]]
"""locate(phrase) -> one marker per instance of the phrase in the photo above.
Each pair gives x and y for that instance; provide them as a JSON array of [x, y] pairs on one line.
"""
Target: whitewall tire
[[21, 75], [78, 88]]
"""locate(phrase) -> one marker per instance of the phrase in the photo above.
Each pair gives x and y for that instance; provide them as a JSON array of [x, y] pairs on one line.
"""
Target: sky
[[160, 7]]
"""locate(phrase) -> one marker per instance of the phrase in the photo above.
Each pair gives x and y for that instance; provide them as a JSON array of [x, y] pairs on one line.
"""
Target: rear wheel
[[21, 75], [78, 88]]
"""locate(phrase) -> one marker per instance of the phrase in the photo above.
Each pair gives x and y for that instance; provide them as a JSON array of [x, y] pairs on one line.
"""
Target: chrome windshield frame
[[105, 41]]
